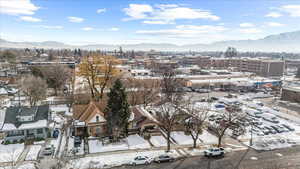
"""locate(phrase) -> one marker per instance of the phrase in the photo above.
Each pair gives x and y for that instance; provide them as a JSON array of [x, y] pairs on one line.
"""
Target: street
[[288, 158]]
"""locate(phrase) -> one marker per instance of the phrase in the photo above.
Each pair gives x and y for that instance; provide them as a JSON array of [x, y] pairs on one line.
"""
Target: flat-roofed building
[[291, 93]]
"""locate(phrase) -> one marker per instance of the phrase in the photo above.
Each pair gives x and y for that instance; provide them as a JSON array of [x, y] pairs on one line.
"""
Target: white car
[[212, 152], [139, 160]]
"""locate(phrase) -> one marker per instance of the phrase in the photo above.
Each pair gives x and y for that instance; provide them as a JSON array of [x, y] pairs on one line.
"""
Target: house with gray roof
[[23, 123]]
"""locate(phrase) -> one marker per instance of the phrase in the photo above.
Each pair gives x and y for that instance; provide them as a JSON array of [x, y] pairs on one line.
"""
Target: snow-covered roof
[[8, 126], [37, 124], [33, 125]]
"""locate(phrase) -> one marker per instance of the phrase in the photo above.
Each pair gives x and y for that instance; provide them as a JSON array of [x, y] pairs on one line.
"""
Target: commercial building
[[259, 66], [291, 93]]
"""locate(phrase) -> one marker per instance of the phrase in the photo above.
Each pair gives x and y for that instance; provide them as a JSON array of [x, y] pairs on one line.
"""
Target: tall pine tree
[[117, 111]]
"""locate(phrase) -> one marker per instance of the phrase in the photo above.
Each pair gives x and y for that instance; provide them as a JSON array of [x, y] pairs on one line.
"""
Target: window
[[97, 118], [39, 131]]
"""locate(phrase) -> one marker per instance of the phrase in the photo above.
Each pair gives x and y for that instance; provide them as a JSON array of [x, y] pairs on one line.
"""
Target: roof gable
[[93, 119], [91, 110]]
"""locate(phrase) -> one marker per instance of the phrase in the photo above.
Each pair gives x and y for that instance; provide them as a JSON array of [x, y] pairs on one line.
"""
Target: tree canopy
[[117, 110]]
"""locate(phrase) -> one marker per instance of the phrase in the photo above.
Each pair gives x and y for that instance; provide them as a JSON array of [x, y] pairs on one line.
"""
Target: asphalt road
[[288, 158]]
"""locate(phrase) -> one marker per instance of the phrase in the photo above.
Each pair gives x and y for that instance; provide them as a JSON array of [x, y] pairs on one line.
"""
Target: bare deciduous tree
[[170, 109], [196, 122], [34, 88], [56, 76], [228, 119], [99, 71], [142, 91], [167, 116]]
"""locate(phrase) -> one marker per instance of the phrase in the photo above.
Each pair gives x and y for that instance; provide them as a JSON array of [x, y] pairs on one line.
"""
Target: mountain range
[[284, 42]]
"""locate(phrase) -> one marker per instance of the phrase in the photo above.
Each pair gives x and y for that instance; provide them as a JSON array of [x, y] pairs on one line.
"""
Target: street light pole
[[251, 139]]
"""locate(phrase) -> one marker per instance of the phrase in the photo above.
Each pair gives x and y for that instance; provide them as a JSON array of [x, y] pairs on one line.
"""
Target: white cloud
[[30, 19], [50, 26], [156, 22], [164, 6], [273, 15], [102, 10], [246, 25], [250, 30], [185, 31], [166, 13], [75, 19], [274, 24], [137, 11], [87, 28], [17, 7], [292, 10], [114, 29]]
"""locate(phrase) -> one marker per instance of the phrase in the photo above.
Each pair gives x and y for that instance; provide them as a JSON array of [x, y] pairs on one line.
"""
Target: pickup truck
[[213, 152]]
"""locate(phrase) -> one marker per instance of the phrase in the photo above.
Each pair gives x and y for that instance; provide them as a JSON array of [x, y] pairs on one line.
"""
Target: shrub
[[7, 142]]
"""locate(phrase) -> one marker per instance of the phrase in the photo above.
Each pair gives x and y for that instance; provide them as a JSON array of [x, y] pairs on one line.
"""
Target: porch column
[[45, 133]]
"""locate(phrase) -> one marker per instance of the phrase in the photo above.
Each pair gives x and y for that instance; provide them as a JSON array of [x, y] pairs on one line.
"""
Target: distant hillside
[[284, 42]]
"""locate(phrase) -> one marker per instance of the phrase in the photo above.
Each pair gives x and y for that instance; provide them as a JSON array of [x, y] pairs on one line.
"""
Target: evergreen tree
[[231, 52], [117, 111]]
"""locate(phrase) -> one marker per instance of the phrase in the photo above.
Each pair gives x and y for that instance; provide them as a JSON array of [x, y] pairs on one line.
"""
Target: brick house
[[89, 119]]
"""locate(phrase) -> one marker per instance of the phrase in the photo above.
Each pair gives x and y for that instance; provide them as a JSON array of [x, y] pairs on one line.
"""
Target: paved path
[[23, 154]]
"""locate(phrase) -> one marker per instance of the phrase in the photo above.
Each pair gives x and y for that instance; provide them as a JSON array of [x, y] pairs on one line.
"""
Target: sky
[[179, 22]]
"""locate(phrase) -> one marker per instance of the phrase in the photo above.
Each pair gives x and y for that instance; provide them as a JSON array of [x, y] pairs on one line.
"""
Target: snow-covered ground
[[181, 138], [207, 138], [131, 142], [112, 159], [57, 118], [10, 152], [33, 153], [158, 141], [194, 152], [96, 146], [22, 166], [137, 142], [62, 109]]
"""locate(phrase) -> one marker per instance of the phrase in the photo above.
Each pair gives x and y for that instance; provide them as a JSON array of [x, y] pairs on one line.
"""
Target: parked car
[[219, 106], [271, 130], [164, 158], [288, 127], [139, 160], [214, 98], [48, 150], [277, 129], [202, 90], [77, 141], [213, 152], [55, 133], [272, 120]]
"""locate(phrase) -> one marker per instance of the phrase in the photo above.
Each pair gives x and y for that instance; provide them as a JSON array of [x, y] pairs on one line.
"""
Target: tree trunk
[[195, 143], [220, 141], [169, 141], [55, 91]]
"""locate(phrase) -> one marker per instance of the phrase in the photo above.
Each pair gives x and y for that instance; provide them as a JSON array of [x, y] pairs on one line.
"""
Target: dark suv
[[163, 158]]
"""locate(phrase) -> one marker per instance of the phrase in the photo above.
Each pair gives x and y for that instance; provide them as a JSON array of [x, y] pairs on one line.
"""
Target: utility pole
[[251, 138]]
